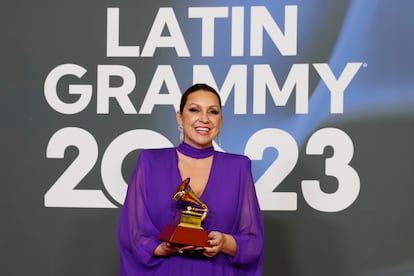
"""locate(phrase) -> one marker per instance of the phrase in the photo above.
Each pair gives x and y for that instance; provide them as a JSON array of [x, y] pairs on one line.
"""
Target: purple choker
[[193, 152]]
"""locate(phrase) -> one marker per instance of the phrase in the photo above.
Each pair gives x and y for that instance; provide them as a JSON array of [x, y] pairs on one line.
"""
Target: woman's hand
[[220, 243], [164, 249]]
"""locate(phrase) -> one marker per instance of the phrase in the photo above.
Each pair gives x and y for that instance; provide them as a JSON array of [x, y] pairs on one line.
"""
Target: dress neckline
[[193, 152], [181, 177]]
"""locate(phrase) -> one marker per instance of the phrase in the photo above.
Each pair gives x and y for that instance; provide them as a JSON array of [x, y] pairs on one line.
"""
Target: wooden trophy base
[[184, 236]]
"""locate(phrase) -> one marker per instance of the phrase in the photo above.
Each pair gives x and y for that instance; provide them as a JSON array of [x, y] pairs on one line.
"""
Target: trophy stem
[[191, 219]]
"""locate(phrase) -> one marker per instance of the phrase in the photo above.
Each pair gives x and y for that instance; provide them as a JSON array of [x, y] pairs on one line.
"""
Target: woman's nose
[[204, 117]]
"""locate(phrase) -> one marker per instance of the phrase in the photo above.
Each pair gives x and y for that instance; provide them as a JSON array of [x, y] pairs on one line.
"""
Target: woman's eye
[[193, 109], [215, 112]]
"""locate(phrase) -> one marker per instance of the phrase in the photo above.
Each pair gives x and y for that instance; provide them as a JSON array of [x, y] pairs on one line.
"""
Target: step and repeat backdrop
[[319, 94]]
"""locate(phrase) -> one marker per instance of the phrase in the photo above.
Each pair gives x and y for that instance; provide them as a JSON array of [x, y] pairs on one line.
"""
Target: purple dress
[[233, 209]]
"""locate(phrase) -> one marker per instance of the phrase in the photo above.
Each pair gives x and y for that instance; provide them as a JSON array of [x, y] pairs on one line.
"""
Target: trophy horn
[[185, 193]]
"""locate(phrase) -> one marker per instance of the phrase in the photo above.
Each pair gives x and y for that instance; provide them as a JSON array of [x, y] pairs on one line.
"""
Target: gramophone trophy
[[189, 230]]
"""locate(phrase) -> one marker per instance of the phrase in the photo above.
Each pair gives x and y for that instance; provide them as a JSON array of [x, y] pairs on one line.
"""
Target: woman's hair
[[194, 88]]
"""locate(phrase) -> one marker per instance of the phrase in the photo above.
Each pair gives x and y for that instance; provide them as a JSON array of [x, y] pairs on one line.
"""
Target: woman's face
[[201, 119]]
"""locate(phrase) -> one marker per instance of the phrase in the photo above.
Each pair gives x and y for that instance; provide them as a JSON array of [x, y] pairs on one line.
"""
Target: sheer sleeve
[[136, 232], [250, 233]]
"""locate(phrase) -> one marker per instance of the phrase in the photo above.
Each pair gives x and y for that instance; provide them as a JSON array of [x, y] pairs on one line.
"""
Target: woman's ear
[[179, 118]]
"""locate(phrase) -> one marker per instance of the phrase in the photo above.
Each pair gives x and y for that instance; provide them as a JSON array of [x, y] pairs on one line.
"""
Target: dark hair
[[194, 88]]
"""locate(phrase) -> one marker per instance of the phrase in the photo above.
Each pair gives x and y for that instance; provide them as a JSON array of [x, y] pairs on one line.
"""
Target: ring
[[180, 251]]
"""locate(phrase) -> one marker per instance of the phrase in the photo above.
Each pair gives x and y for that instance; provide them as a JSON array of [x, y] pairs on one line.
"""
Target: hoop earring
[[180, 130], [218, 139]]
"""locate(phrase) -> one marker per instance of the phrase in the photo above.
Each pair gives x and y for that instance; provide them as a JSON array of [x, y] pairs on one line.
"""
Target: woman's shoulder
[[233, 157], [156, 153]]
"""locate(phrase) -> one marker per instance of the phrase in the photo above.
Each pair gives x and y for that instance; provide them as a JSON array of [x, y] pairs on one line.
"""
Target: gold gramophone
[[189, 231]]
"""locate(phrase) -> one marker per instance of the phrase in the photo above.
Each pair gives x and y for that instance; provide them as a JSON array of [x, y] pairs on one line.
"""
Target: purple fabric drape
[[233, 209]]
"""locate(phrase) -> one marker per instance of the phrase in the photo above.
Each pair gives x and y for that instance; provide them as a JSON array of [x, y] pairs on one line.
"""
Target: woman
[[222, 181]]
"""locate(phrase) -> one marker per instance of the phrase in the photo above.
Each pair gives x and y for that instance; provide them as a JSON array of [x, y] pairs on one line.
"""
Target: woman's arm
[[136, 233]]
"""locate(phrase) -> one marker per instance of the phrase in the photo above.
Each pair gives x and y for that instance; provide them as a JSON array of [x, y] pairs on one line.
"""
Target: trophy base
[[184, 236]]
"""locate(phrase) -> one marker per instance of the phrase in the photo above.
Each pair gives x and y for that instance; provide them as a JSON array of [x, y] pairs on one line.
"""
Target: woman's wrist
[[229, 245]]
